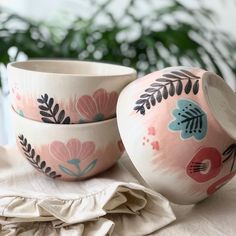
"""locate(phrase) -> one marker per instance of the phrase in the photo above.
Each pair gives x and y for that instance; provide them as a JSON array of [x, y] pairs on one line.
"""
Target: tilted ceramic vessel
[[66, 91], [68, 152], [178, 126]]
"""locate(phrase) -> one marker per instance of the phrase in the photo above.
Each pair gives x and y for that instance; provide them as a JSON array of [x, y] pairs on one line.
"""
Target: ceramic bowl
[[65, 92], [178, 126], [68, 152]]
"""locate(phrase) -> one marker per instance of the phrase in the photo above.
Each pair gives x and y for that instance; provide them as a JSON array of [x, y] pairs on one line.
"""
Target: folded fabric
[[113, 203]]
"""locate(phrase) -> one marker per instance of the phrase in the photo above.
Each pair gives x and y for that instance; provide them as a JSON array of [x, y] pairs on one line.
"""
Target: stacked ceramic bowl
[[64, 115]]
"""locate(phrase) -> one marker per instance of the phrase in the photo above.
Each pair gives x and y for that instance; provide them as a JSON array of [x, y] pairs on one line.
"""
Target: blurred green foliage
[[172, 34]]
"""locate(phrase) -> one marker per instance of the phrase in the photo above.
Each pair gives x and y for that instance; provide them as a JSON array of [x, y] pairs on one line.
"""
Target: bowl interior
[[71, 67], [222, 102]]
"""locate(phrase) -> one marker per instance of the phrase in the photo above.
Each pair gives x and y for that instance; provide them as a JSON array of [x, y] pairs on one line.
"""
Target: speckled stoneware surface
[[176, 128]]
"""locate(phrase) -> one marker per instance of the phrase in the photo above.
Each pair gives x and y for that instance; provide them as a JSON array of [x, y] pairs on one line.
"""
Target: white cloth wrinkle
[[113, 203]]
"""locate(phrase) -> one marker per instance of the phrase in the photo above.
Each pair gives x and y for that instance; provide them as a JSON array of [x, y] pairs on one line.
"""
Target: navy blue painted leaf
[[188, 86], [47, 170], [163, 80], [61, 116], [172, 89], [159, 96], [28, 148], [45, 98], [142, 110], [148, 106], [190, 74], [46, 120], [150, 90], [179, 87], [55, 109], [50, 103], [32, 153], [196, 87], [141, 101], [165, 93], [156, 85], [66, 120], [136, 108], [39, 100], [53, 174], [46, 114], [171, 76], [44, 108], [43, 164], [178, 73], [145, 95], [153, 100], [37, 159]]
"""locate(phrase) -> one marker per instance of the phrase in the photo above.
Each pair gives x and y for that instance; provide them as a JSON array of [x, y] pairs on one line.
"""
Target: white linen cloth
[[113, 203], [215, 216]]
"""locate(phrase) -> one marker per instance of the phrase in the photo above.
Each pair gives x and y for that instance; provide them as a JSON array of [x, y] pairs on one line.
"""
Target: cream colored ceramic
[[68, 152], [64, 92], [178, 126]]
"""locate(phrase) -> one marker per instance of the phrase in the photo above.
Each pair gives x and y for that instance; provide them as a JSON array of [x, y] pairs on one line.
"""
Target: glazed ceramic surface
[[65, 92], [175, 125], [68, 152]]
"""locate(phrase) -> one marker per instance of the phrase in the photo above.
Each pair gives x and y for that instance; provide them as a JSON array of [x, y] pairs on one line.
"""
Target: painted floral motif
[[151, 139], [152, 131], [219, 183], [190, 119], [155, 145], [205, 165], [74, 153], [99, 106]]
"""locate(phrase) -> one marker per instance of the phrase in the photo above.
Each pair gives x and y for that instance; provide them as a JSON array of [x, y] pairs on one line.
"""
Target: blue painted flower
[[190, 119]]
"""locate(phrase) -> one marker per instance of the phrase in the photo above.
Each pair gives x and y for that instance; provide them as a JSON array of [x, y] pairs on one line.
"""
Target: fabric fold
[[113, 203]]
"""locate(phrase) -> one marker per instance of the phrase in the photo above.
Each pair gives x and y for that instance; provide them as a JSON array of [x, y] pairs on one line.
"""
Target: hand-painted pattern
[[50, 112], [151, 139], [220, 182], [230, 153], [169, 85], [205, 165], [34, 159], [190, 119], [101, 105], [74, 153]]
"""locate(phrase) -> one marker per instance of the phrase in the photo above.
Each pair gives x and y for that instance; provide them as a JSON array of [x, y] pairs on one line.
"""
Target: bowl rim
[[70, 126], [205, 85], [129, 71]]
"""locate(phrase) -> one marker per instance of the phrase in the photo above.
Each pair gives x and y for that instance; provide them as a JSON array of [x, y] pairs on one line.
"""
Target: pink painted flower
[[152, 131], [100, 106], [155, 145], [73, 149]]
